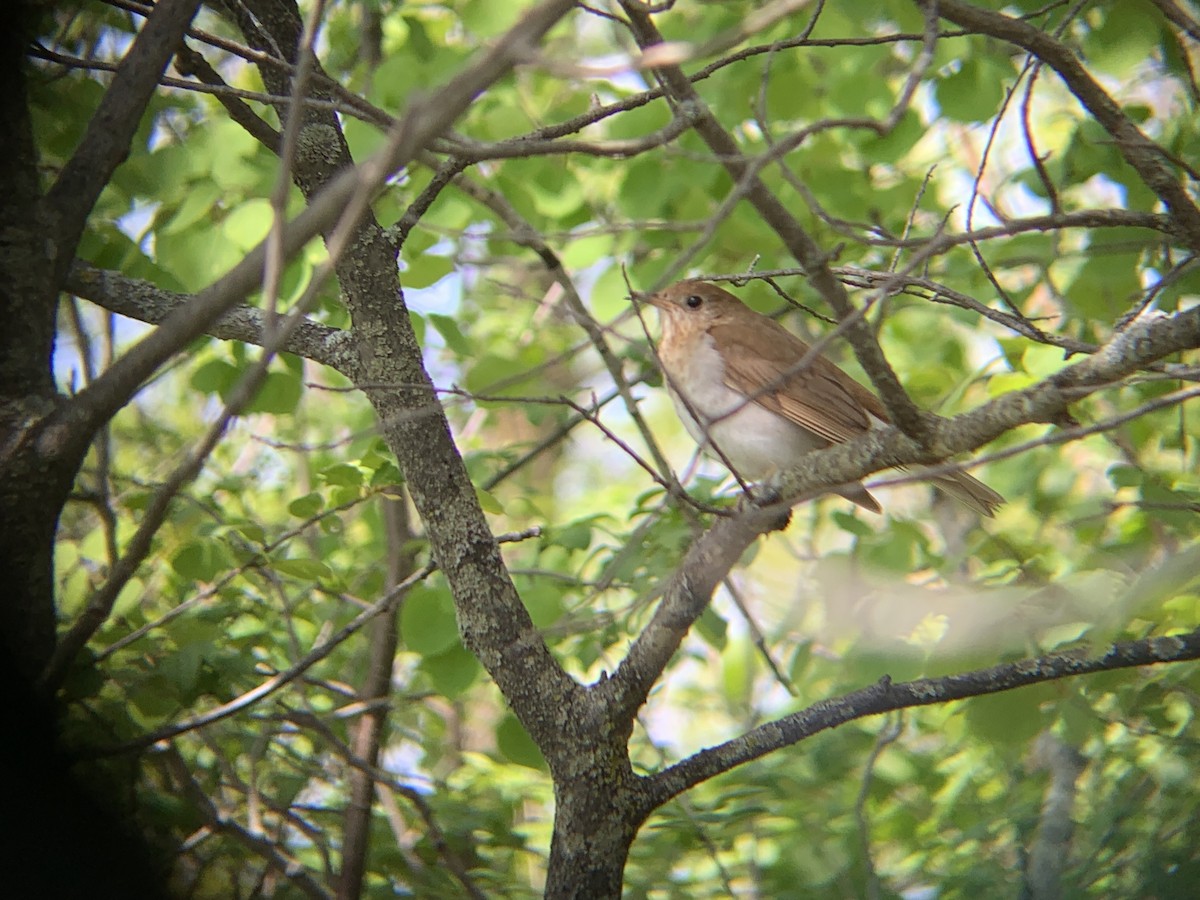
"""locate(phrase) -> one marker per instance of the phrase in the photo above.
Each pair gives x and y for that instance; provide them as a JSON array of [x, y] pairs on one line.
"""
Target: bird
[[748, 392]]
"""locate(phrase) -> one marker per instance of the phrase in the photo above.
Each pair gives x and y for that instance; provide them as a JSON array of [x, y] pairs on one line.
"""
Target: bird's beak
[[653, 299]]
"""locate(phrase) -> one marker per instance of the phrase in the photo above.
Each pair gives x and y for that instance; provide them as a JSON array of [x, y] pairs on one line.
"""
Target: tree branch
[[1143, 343], [526, 235], [384, 780], [146, 302], [425, 120], [253, 841], [386, 604], [369, 732], [105, 144], [191, 62], [886, 696], [527, 146], [708, 561], [100, 604], [1143, 155], [1172, 11], [712, 554]]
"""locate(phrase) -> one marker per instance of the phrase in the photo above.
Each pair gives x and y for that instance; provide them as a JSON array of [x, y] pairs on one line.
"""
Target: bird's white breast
[[756, 441]]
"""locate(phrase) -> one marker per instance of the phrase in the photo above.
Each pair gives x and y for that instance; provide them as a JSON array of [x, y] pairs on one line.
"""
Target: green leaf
[[1010, 717], [737, 672], [83, 679], [1126, 38], [1169, 506], [853, 524], [216, 376], [1107, 282], [246, 626], [1125, 476], [488, 370], [305, 569], [783, 100], [1065, 635], [278, 394], [426, 269], [155, 698], [307, 506], [343, 475], [130, 598], [197, 206], [485, 18], [609, 297], [1009, 381], [514, 742], [200, 560], [427, 621], [1077, 722], [856, 85], [418, 325], [393, 80], [576, 536], [543, 599], [488, 503], [182, 668], [253, 532], [248, 224], [973, 92], [586, 251], [447, 327], [892, 147], [387, 474], [1176, 574], [712, 628], [232, 153], [364, 139], [452, 672], [899, 550], [556, 191], [1042, 361]]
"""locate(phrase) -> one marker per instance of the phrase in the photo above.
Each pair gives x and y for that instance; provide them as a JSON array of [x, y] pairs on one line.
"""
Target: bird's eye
[[693, 301]]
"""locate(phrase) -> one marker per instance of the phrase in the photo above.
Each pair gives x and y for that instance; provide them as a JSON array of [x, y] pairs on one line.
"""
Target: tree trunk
[[599, 806], [34, 478], [368, 733], [590, 845]]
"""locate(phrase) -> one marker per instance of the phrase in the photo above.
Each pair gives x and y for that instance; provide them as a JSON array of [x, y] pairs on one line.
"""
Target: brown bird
[[735, 378]]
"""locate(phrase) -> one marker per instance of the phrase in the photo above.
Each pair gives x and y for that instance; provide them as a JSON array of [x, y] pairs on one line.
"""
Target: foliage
[[281, 540]]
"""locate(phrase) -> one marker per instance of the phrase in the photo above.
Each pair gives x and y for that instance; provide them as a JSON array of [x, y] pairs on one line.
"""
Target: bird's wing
[[820, 397], [823, 399]]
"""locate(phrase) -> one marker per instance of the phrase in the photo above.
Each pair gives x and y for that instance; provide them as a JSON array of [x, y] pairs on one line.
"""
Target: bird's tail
[[969, 491]]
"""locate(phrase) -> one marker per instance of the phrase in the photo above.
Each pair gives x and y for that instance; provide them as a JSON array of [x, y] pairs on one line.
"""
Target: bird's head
[[695, 306]]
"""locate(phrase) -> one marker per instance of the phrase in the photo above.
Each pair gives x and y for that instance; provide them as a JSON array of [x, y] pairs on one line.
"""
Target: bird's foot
[[768, 492]]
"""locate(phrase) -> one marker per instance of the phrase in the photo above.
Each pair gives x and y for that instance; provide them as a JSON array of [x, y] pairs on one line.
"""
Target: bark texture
[[33, 485]]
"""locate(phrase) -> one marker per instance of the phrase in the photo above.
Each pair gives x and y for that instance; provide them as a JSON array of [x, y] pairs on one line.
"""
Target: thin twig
[[756, 635]]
